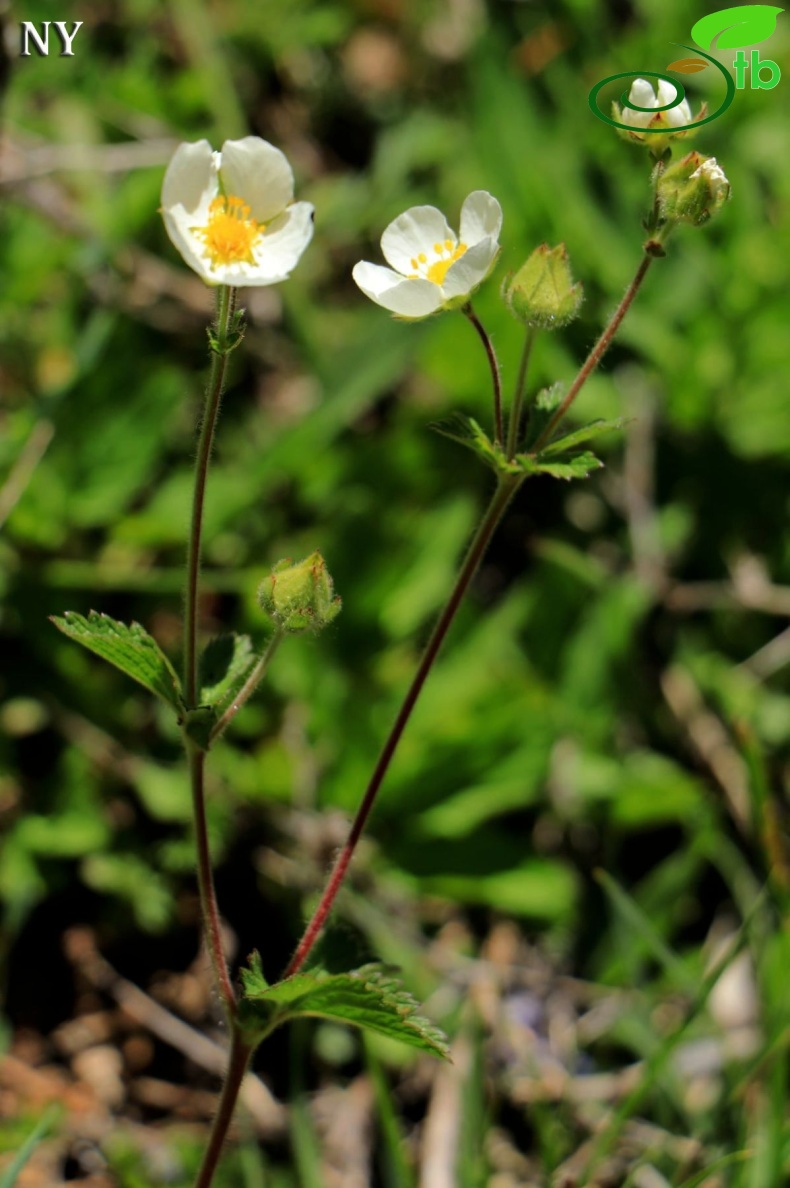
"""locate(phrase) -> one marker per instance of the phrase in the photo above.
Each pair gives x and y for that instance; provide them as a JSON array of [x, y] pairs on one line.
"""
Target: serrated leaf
[[466, 431], [576, 467], [579, 436], [687, 65], [369, 997], [224, 664], [129, 647], [730, 28]]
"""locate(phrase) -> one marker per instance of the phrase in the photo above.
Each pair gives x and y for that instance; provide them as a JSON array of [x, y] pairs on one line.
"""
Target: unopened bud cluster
[[542, 293], [300, 595], [646, 124]]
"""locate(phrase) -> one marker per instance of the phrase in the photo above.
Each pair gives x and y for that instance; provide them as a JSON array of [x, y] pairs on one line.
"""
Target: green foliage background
[[545, 746]]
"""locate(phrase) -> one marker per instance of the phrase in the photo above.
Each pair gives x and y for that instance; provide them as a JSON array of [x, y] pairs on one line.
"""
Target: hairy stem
[[518, 394], [250, 685], [237, 1066], [196, 757], [506, 488], [212, 926], [597, 353], [219, 360], [493, 363]]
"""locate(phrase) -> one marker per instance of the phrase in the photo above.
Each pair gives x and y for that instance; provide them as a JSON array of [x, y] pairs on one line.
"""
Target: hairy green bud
[[692, 190], [299, 595], [542, 293]]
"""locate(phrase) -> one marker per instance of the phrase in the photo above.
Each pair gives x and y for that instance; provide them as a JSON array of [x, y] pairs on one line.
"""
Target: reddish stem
[[596, 354], [237, 1067], [504, 492], [493, 363], [208, 896]]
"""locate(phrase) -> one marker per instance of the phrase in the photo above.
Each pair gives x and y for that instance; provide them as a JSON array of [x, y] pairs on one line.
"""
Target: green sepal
[[574, 466], [466, 431], [223, 345], [128, 647], [224, 664], [198, 723], [369, 997]]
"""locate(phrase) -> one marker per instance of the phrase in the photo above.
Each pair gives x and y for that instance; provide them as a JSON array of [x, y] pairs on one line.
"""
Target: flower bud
[[692, 190], [542, 292], [299, 595], [645, 124]]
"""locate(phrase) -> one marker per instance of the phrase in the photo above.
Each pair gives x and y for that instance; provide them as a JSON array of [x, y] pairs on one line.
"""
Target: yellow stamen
[[230, 234], [438, 270], [422, 258]]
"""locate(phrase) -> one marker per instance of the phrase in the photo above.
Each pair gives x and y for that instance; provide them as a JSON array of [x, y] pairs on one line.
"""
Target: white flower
[[642, 93], [231, 214], [433, 269], [712, 172]]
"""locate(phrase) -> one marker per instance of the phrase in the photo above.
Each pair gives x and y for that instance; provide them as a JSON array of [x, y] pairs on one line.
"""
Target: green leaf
[[223, 666], [466, 431], [369, 997], [729, 28], [579, 436], [128, 647], [575, 467], [541, 412]]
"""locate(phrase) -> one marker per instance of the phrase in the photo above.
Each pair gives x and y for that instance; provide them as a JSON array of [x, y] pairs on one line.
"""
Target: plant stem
[[493, 363], [250, 685], [237, 1066], [506, 488], [208, 897], [518, 395], [597, 353], [226, 297]]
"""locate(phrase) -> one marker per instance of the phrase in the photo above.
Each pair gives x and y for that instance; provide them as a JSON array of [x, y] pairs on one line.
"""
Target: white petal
[[286, 238], [470, 270], [667, 92], [179, 223], [676, 117], [259, 173], [642, 94], [191, 173], [481, 217], [415, 231], [712, 170], [406, 298]]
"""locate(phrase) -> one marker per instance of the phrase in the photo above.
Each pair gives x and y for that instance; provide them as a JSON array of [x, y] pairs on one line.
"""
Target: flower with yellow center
[[431, 267], [231, 214]]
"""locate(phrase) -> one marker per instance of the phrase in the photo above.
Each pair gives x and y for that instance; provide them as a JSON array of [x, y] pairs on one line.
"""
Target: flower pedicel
[[231, 214]]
